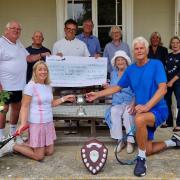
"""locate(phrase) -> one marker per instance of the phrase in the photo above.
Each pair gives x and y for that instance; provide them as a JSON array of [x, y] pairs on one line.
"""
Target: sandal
[[176, 129]]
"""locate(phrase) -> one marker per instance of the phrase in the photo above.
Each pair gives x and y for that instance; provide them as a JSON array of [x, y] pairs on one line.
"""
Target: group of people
[[138, 86]]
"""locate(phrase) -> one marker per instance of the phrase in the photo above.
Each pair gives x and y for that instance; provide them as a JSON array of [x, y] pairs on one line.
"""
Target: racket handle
[[22, 129]]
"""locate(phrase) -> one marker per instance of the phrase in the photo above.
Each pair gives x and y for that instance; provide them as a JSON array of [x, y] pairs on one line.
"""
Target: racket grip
[[22, 129]]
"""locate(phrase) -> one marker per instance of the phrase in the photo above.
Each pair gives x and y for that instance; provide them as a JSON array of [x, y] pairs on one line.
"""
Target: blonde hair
[[34, 77], [158, 35], [117, 28]]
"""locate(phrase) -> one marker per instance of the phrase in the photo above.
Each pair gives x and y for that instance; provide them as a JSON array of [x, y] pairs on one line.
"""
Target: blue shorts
[[161, 115]]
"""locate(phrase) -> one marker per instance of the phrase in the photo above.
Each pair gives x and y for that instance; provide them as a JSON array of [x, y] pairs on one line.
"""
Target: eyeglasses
[[14, 28], [69, 29]]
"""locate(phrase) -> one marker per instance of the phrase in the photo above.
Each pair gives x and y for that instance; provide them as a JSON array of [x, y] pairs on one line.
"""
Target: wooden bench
[[69, 112]]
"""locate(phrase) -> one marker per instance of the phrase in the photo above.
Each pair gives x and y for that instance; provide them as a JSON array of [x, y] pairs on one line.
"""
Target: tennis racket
[[4, 142], [123, 157]]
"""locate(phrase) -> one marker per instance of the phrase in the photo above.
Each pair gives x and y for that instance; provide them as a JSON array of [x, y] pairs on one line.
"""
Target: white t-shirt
[[41, 104], [13, 65], [74, 47]]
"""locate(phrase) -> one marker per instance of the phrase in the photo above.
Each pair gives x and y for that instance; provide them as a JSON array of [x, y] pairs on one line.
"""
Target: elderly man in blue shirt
[[90, 40]]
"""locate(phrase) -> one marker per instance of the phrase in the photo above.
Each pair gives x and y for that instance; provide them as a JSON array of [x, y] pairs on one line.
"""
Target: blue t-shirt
[[144, 81], [125, 95]]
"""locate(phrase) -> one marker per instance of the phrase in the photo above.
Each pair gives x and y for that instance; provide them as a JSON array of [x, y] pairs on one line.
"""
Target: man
[[36, 49], [90, 40], [70, 46], [13, 68], [148, 81]]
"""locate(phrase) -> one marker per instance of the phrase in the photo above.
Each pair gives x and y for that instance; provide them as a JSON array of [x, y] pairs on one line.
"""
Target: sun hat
[[122, 54]]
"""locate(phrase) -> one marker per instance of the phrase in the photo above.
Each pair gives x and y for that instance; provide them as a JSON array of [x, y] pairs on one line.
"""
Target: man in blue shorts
[[147, 79]]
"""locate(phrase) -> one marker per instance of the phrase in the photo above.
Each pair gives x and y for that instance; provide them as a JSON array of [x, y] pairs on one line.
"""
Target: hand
[[91, 96], [21, 128], [105, 85], [141, 108], [60, 54], [97, 56], [170, 84], [131, 109], [70, 98], [45, 54]]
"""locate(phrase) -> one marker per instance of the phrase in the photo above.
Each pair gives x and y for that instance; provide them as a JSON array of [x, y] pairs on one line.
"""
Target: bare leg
[[154, 147], [33, 153], [3, 117], [142, 120], [14, 115], [49, 150]]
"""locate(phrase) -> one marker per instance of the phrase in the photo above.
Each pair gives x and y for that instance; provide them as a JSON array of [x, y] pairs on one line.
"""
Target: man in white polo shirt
[[70, 46], [13, 66]]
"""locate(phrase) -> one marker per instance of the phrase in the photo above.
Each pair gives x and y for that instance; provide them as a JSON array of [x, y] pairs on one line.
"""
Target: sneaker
[[67, 132], [130, 147], [68, 126], [176, 139], [2, 139], [119, 147], [8, 148], [74, 127], [140, 168]]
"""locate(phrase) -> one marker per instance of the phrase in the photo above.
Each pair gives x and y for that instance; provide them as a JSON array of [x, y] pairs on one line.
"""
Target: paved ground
[[66, 163]]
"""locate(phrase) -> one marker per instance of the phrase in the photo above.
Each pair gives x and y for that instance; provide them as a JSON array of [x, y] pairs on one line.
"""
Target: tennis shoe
[[7, 148], [176, 138], [140, 168]]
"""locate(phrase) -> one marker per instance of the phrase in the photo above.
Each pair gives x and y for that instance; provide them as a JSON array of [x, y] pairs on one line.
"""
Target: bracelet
[[62, 99]]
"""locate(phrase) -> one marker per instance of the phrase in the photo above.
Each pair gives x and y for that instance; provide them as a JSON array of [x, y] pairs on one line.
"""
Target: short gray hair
[[10, 22], [140, 39]]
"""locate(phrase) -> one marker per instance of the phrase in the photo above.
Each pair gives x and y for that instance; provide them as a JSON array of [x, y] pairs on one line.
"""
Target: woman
[[122, 101], [156, 50], [36, 111], [172, 66], [115, 45]]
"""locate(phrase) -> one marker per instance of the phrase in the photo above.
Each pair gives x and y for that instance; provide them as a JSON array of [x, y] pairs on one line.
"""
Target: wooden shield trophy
[[94, 155]]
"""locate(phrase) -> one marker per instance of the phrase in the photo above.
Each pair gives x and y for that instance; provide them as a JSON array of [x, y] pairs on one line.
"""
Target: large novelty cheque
[[73, 71]]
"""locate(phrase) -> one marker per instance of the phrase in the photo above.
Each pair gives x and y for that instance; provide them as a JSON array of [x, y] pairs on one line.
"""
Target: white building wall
[[33, 15], [154, 15]]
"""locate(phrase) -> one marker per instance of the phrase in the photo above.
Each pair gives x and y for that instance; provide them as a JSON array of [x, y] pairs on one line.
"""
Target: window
[[109, 13]]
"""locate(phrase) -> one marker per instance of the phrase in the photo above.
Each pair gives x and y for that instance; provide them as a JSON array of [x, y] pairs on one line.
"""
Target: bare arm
[[106, 92], [159, 94], [63, 99], [172, 81], [33, 57], [24, 112]]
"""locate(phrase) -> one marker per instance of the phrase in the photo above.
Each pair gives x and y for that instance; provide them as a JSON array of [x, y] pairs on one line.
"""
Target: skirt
[[41, 134]]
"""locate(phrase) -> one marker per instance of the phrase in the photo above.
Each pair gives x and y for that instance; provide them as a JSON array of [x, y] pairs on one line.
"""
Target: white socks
[[1, 133], [142, 153], [170, 143], [12, 129]]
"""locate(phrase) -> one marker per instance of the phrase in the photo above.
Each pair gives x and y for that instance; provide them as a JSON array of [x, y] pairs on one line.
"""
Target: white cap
[[123, 54]]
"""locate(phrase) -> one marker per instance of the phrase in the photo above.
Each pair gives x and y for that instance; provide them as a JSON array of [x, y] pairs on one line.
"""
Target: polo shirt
[[73, 47], [13, 65]]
